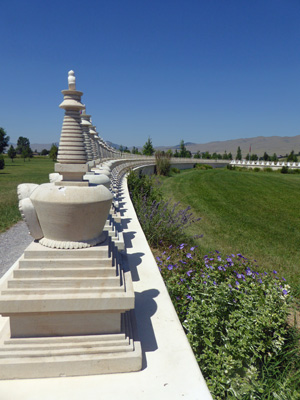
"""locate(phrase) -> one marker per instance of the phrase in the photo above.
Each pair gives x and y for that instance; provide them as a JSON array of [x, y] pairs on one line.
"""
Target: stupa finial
[[71, 80]]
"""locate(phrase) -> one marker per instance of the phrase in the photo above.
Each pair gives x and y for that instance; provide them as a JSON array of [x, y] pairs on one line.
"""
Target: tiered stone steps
[[71, 355]]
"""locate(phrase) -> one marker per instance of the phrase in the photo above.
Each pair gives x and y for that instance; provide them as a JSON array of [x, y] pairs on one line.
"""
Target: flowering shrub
[[234, 317], [161, 221]]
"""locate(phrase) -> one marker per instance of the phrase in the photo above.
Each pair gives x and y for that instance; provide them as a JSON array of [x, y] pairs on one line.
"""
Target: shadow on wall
[[134, 260], [145, 307]]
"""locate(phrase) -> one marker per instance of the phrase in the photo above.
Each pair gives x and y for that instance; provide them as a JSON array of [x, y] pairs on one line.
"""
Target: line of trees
[[4, 139]]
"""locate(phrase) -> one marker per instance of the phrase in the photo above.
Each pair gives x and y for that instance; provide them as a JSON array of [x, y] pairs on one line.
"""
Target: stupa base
[[45, 357]]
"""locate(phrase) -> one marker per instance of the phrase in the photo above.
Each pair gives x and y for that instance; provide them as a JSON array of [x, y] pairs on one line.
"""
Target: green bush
[[235, 320], [256, 169], [2, 162], [175, 170], [203, 166], [162, 163], [293, 171], [268, 169], [230, 167], [284, 170]]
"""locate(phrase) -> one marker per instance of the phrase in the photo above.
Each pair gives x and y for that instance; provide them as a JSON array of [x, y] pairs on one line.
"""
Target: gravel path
[[12, 245]]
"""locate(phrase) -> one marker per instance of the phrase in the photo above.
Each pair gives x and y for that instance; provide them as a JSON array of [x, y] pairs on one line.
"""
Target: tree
[[266, 156], [4, 139], [30, 153], [23, 143], [274, 157], [225, 155], [44, 152], [148, 149], [292, 157], [53, 152], [184, 153], [12, 153], [229, 156], [239, 153], [206, 155], [135, 150], [216, 156], [169, 152], [25, 153], [2, 162], [197, 155]]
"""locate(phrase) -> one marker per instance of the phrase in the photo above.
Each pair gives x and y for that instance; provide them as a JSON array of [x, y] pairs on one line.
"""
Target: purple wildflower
[[170, 247], [215, 283], [283, 279], [189, 297], [274, 272], [170, 267], [189, 255], [285, 292], [189, 272], [192, 248], [220, 268]]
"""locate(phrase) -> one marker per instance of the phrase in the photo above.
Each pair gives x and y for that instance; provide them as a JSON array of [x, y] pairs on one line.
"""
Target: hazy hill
[[280, 145]]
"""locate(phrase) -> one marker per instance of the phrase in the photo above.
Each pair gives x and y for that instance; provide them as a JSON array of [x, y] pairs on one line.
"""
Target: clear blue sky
[[198, 70]]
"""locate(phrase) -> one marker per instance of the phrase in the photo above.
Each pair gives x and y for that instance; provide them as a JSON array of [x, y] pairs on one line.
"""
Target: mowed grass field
[[256, 214], [34, 171]]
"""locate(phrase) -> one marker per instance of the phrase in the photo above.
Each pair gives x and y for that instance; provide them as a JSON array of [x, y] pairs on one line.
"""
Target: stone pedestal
[[69, 314]]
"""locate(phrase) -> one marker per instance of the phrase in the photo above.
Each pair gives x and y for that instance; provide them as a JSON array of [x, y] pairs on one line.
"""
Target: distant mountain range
[[281, 145]]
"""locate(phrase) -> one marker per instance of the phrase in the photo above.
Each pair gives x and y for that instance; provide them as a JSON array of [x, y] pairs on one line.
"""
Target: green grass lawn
[[255, 214], [34, 171]]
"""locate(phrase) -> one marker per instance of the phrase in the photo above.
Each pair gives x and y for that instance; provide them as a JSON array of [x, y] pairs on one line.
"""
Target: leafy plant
[[162, 163], [235, 320], [203, 166]]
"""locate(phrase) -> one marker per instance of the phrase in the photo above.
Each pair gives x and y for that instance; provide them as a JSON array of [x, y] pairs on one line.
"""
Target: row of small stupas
[[266, 164], [67, 305]]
